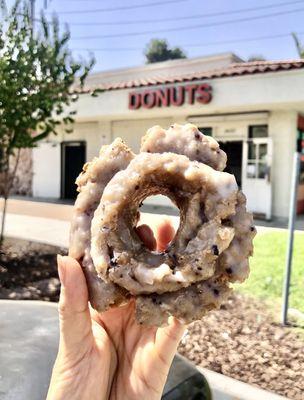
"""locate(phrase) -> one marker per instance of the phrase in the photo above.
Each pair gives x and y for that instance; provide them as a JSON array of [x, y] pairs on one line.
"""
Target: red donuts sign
[[171, 96]]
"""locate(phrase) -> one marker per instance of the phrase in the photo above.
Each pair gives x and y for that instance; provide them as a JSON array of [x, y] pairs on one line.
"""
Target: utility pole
[[32, 15], [292, 218]]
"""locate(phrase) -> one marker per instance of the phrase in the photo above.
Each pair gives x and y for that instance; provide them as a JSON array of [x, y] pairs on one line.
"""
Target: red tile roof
[[237, 69]]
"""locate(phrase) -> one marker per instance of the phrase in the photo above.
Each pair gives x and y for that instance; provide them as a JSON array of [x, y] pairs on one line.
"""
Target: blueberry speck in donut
[[215, 250]]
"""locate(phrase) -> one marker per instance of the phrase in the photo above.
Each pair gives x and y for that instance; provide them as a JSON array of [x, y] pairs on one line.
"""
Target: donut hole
[[157, 208], [202, 195], [180, 195], [159, 204]]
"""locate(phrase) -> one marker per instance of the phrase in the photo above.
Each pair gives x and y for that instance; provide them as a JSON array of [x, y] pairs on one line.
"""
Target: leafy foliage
[[36, 76], [158, 50], [299, 45], [256, 57]]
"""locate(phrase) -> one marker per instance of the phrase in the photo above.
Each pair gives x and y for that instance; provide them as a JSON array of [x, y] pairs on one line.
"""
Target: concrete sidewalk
[[56, 232], [50, 222], [62, 210], [27, 359], [38, 229]]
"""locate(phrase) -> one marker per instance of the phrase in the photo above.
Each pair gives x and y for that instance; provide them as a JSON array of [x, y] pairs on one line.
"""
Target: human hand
[[109, 355]]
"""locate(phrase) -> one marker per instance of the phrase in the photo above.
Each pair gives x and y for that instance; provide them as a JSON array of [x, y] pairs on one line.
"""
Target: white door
[[256, 175], [46, 170]]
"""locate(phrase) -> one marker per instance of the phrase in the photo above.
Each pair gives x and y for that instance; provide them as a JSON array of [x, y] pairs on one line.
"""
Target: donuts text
[[170, 96]]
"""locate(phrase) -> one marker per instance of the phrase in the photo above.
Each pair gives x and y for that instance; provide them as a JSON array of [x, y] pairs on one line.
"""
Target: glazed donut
[[211, 246], [186, 140]]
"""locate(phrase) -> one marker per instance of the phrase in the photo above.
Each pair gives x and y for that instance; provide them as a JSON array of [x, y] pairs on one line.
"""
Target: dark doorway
[[73, 156], [234, 151]]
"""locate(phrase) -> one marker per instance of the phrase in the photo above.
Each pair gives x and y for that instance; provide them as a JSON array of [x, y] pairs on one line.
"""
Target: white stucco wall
[[91, 133], [271, 98], [132, 131], [47, 156], [283, 131], [230, 127], [269, 91]]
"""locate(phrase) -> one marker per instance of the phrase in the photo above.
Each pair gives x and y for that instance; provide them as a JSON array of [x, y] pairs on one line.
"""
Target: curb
[[226, 388]]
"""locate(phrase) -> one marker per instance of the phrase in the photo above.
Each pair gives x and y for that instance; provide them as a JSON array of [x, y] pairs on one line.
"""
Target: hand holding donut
[[136, 284], [109, 355]]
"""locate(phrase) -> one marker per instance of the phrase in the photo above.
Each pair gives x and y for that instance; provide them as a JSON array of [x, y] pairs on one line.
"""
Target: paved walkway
[[27, 359], [38, 229], [55, 231], [50, 222]]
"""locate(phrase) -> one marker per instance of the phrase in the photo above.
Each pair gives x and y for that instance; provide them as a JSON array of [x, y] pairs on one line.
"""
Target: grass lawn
[[267, 269]]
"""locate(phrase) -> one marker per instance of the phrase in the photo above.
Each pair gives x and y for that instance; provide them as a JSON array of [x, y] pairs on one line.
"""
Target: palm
[[137, 350], [109, 355]]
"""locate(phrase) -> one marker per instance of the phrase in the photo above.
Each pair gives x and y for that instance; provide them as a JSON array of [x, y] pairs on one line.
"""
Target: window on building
[[257, 167], [206, 130], [258, 131]]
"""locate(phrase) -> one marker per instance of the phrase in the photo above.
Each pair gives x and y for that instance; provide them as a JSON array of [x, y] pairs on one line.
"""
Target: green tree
[[37, 72], [159, 50], [299, 45], [256, 57]]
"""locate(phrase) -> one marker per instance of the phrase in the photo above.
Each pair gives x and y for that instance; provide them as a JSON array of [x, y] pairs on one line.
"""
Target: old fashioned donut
[[186, 140], [211, 246], [203, 195]]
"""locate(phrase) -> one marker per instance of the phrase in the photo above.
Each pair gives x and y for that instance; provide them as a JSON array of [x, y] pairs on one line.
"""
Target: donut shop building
[[254, 110]]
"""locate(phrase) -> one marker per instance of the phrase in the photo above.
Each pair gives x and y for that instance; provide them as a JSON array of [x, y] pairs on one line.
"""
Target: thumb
[[74, 315]]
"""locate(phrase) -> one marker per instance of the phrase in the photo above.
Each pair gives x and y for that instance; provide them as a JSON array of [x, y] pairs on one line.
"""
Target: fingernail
[[61, 269]]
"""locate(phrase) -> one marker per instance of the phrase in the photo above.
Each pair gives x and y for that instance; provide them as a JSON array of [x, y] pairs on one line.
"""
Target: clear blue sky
[[117, 56]]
